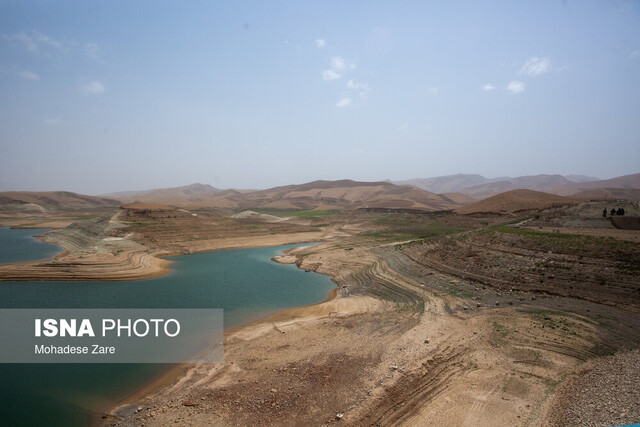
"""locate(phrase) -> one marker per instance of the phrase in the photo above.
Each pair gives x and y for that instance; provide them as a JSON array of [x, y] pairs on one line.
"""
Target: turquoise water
[[244, 282], [17, 245]]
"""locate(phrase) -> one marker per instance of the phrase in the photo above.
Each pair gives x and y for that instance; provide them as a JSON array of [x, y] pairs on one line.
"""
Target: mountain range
[[428, 194], [479, 187]]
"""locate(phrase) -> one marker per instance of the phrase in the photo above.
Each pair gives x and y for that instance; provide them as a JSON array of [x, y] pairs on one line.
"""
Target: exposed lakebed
[[244, 282]]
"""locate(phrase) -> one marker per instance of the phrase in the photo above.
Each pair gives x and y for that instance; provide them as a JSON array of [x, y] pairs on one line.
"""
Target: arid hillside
[[188, 194], [516, 201], [453, 192], [535, 182], [479, 187], [459, 198], [342, 194], [346, 194], [46, 201], [626, 181], [608, 194], [450, 183]]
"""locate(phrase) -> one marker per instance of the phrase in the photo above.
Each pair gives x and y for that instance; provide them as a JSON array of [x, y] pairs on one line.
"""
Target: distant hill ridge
[[345, 193], [186, 190], [449, 183], [626, 181], [43, 201], [479, 187], [515, 201], [321, 184], [533, 182]]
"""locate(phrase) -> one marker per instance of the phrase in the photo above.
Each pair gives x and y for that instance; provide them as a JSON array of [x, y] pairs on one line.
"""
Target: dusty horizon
[[134, 188]]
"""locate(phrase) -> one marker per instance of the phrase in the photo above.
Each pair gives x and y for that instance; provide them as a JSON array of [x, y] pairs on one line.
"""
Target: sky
[[105, 96]]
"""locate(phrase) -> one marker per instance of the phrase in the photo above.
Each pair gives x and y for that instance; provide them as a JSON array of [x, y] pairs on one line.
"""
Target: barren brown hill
[[608, 194], [159, 193], [193, 196], [345, 194], [44, 201], [449, 183], [515, 201], [534, 182], [581, 178], [341, 194], [459, 198], [626, 181]]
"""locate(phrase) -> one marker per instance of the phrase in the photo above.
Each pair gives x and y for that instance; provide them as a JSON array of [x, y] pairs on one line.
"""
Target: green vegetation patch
[[398, 227], [306, 214], [503, 228]]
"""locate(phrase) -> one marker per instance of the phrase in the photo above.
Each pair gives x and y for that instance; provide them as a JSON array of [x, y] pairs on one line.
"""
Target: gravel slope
[[607, 394]]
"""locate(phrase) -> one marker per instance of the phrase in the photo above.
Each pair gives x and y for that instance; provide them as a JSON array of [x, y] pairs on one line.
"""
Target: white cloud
[[635, 54], [343, 102], [330, 75], [337, 67], [404, 127], [45, 45], [28, 75], [536, 66], [38, 42], [434, 90], [320, 43], [338, 64], [516, 87], [363, 88], [92, 88], [45, 40], [488, 87], [24, 39]]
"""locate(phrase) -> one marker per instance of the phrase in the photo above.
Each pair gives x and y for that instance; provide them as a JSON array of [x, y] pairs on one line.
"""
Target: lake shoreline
[[125, 259], [173, 374], [46, 249], [165, 376]]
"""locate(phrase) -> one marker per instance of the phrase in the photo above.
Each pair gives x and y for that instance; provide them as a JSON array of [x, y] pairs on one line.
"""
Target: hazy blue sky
[[100, 96]]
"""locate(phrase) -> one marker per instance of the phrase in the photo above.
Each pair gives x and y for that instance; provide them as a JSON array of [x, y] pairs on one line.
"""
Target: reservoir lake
[[245, 283]]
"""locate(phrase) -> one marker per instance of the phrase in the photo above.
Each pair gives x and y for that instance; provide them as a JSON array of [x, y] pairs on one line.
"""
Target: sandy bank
[[395, 346], [288, 321]]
